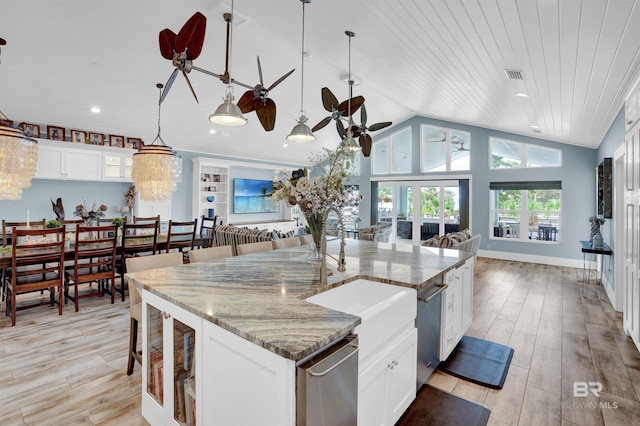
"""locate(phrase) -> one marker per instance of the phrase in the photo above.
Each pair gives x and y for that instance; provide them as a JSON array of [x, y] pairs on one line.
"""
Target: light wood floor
[[559, 338], [71, 369]]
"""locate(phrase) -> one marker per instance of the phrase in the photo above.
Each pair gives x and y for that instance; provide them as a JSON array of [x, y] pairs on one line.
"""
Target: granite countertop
[[260, 297]]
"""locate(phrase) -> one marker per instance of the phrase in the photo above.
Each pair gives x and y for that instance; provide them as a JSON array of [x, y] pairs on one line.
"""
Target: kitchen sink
[[384, 310]]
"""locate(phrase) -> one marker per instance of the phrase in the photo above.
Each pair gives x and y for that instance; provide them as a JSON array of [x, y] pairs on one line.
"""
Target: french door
[[419, 210]]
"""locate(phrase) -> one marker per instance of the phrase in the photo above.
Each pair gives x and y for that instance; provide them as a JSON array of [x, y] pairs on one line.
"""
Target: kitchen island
[[254, 306]]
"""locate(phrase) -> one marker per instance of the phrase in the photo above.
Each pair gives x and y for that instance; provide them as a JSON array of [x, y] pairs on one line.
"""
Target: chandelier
[[157, 168], [18, 160]]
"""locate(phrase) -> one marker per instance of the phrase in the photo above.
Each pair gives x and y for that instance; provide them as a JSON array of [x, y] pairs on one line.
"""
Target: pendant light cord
[[302, 64], [158, 137]]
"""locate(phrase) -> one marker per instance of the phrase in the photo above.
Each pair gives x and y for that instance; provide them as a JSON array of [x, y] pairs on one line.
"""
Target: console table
[[587, 248]]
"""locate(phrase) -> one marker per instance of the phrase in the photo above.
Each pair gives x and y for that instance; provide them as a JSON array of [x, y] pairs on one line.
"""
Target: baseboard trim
[[531, 258]]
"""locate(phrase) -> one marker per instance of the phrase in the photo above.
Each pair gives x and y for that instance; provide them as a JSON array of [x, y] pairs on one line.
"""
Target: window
[[445, 149], [507, 154], [526, 211], [392, 154]]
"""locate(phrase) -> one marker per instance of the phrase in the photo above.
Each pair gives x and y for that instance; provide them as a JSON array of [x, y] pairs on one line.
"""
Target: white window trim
[[447, 149], [523, 154], [390, 152]]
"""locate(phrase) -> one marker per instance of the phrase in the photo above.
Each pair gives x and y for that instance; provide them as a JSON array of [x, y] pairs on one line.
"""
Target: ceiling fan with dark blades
[[337, 111], [258, 100], [360, 131], [461, 147]]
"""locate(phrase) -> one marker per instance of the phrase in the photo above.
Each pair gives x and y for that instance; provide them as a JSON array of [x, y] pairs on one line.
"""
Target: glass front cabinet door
[[171, 349]]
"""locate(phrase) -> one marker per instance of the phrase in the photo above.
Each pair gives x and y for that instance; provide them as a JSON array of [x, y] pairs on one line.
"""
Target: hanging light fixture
[[228, 113], [18, 158], [157, 168], [301, 132], [348, 142]]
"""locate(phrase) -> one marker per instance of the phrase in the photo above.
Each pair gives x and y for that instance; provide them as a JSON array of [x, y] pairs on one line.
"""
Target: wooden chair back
[[207, 229], [254, 247], [137, 239], [139, 220], [7, 226], [94, 258], [181, 235], [285, 243], [37, 263], [210, 253]]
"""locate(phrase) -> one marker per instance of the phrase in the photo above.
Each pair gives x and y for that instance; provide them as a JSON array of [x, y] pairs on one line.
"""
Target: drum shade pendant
[[157, 168], [301, 132]]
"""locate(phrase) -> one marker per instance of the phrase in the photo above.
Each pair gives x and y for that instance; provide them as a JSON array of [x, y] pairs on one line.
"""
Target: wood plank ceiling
[[435, 58]]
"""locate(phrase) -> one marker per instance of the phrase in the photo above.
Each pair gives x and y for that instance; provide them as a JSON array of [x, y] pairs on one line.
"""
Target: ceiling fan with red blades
[[186, 46]]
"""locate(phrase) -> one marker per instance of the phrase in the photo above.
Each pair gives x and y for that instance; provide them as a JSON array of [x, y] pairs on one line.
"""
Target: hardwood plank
[[522, 344], [612, 373], [575, 351], [506, 403], [579, 409], [546, 369], [620, 411], [540, 408]]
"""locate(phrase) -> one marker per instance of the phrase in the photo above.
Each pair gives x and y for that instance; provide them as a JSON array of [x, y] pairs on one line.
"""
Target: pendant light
[[348, 142], [228, 113], [156, 168], [18, 158], [301, 132]]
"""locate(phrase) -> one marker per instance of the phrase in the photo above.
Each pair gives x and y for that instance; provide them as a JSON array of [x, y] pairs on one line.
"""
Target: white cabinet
[[457, 307], [244, 383], [144, 208], [631, 243], [117, 166], [388, 386], [68, 163], [172, 359], [210, 189]]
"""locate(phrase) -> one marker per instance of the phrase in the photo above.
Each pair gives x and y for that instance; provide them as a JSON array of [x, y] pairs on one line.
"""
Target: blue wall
[[577, 175]]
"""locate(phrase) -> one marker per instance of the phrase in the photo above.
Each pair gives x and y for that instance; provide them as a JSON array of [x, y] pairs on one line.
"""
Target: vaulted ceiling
[[435, 58]]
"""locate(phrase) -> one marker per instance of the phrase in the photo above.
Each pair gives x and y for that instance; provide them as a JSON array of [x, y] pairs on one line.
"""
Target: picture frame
[[134, 143], [78, 136], [117, 141], [216, 178], [55, 133], [31, 130], [206, 177], [95, 138]]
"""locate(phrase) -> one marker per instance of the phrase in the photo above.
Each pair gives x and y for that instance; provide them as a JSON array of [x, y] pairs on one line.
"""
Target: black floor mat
[[479, 361], [435, 407]]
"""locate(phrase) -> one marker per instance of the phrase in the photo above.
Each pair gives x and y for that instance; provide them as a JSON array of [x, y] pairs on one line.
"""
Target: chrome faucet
[[341, 258]]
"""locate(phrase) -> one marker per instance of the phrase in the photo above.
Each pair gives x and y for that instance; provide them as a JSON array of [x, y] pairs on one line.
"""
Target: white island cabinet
[[172, 362], [457, 307]]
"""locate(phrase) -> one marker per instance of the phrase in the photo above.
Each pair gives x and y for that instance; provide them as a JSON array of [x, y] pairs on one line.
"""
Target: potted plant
[[117, 221], [53, 223]]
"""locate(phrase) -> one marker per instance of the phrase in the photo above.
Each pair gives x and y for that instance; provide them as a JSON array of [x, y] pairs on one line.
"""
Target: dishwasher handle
[[336, 365], [428, 298]]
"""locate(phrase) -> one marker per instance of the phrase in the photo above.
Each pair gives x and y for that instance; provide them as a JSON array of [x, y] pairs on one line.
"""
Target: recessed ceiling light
[[284, 145], [95, 110], [213, 131], [535, 128], [522, 94]]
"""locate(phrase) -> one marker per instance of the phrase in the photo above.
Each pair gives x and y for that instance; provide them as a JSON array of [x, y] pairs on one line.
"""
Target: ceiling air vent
[[514, 74]]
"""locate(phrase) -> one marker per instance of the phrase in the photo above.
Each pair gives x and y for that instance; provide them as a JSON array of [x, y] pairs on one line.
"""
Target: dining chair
[[207, 231], [139, 220], [94, 260], [138, 239], [181, 235], [37, 259], [254, 247], [6, 240], [7, 226], [210, 253], [138, 264], [285, 243]]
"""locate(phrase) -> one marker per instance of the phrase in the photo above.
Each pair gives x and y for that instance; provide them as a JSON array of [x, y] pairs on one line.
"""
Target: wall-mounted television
[[250, 196]]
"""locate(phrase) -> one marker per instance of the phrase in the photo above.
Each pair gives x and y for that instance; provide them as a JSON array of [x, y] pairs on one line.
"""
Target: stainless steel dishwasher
[[327, 386], [428, 325]]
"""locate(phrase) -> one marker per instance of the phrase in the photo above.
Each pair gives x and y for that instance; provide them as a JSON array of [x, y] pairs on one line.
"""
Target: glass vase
[[315, 223]]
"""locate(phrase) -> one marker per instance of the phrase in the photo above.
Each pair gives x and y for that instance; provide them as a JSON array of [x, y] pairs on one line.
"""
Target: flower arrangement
[[314, 195], [93, 213]]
